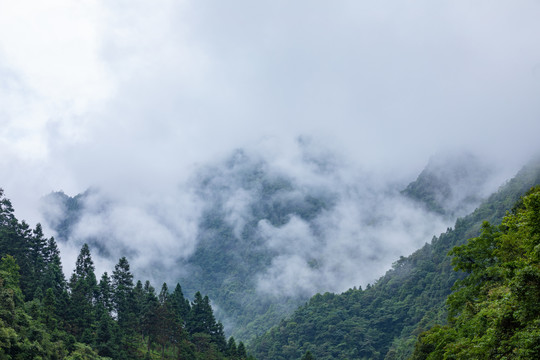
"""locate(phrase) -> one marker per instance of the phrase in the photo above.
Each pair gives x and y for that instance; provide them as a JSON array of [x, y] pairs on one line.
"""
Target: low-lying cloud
[[135, 99], [350, 244], [321, 224]]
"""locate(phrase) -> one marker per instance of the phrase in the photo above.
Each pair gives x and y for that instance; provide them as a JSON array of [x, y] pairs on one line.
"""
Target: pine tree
[[19, 248], [166, 330], [49, 310], [202, 320], [241, 351], [122, 283], [150, 319], [137, 305], [105, 341], [123, 300], [8, 228], [104, 297], [83, 287], [231, 348], [53, 275], [9, 272], [179, 305]]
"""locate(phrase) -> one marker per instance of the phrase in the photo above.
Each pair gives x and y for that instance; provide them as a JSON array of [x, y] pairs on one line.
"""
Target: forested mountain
[[265, 237], [384, 320], [43, 316], [494, 310]]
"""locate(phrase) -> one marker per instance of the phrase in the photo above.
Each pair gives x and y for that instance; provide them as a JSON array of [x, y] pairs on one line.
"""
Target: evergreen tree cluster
[[43, 316]]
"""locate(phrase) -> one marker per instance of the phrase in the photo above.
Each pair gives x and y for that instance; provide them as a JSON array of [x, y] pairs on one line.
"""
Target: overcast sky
[[130, 94]]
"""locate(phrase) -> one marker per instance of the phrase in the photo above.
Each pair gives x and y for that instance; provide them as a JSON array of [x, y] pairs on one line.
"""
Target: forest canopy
[[43, 316], [494, 312]]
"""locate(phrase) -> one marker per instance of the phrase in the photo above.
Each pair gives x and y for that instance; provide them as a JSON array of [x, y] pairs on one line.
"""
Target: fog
[[136, 99], [321, 223]]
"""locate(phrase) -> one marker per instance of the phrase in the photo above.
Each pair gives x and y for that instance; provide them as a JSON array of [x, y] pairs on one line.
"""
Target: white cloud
[[351, 244], [130, 96]]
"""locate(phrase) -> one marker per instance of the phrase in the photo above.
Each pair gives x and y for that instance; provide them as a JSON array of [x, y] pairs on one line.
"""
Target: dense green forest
[[494, 311], [384, 320], [44, 316]]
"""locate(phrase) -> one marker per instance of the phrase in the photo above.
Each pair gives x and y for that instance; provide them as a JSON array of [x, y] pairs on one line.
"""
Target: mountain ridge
[[383, 321], [265, 240]]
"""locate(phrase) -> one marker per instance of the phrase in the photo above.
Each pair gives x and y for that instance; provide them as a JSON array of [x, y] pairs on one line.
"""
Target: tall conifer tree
[[83, 287]]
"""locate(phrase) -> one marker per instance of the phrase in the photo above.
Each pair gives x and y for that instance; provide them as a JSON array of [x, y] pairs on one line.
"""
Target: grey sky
[[128, 95]]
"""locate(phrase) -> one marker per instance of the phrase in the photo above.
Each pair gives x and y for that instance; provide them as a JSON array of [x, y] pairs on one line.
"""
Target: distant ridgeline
[[450, 185], [43, 316], [384, 320]]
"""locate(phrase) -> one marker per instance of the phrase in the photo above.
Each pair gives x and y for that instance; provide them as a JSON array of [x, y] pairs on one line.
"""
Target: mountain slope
[[494, 311], [382, 321], [258, 235]]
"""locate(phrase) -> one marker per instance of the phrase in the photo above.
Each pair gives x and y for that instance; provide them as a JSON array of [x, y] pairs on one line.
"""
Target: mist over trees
[[451, 185], [44, 316], [227, 178], [265, 236], [384, 319]]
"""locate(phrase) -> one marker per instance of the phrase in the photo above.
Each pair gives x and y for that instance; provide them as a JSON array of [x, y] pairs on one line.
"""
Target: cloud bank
[[133, 97], [291, 222]]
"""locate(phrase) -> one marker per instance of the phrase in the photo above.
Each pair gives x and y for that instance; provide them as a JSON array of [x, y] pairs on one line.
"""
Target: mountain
[[493, 310], [383, 320], [451, 185], [236, 198], [258, 235]]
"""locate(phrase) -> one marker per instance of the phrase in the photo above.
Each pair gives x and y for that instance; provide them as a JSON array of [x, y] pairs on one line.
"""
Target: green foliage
[[83, 352], [122, 294], [86, 320], [308, 356], [27, 331], [42, 317], [9, 272], [494, 311], [384, 320], [83, 288]]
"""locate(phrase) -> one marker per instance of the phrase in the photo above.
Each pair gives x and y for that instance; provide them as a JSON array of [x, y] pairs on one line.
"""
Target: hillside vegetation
[[43, 316], [384, 320], [265, 239], [494, 311]]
